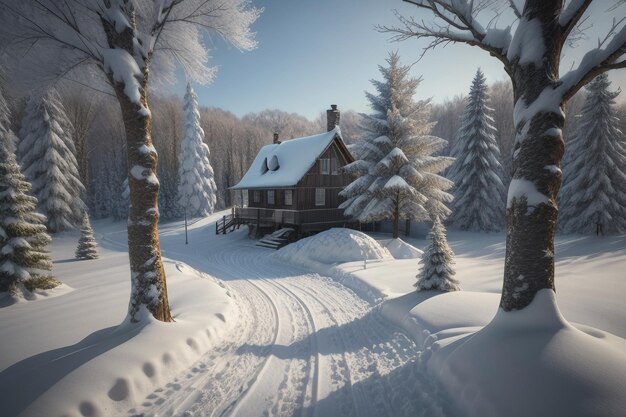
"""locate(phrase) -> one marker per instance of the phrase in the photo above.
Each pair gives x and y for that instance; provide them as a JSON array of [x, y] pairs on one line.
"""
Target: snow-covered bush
[[397, 172], [196, 189], [333, 246], [476, 172], [47, 156], [593, 197], [437, 272]]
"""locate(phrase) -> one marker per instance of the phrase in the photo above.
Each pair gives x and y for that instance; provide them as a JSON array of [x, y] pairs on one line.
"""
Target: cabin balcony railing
[[290, 217]]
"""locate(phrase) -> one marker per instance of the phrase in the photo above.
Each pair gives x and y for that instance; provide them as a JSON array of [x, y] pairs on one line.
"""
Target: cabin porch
[[310, 220]]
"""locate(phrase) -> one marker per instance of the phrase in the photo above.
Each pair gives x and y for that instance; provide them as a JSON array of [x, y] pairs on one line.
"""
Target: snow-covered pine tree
[[6, 132], [23, 238], [476, 172], [48, 160], [437, 272], [593, 197], [397, 172], [87, 243], [196, 187]]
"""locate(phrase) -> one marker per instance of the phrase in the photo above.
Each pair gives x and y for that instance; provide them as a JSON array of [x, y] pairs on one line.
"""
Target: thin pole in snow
[[186, 240]]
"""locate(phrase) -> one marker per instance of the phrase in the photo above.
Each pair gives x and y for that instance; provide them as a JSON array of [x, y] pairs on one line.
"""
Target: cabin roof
[[284, 164]]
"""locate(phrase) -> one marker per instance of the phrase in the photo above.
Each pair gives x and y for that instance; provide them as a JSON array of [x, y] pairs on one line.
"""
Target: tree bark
[[148, 285], [396, 222], [539, 146]]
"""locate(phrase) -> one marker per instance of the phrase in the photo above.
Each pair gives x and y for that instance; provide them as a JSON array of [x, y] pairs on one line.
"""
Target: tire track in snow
[[339, 347]]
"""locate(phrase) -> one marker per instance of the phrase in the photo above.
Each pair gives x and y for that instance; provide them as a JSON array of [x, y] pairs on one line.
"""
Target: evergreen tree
[[47, 156], [437, 272], [397, 172], [476, 172], [196, 187], [86, 244], [8, 137], [593, 197], [23, 238]]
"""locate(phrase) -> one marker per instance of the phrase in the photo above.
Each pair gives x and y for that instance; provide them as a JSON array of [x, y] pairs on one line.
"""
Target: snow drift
[[68, 355], [399, 249], [532, 362], [332, 246]]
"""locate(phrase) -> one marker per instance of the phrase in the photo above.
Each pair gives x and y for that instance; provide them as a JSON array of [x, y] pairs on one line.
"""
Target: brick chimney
[[276, 137], [332, 117]]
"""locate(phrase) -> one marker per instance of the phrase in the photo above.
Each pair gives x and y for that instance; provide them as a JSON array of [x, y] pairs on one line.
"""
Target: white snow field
[[269, 338]]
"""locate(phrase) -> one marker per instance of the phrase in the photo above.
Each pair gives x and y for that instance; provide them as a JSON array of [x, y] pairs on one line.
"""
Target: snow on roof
[[284, 164]]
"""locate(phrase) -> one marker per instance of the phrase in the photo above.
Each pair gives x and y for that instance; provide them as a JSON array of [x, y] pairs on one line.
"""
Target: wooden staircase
[[278, 239]]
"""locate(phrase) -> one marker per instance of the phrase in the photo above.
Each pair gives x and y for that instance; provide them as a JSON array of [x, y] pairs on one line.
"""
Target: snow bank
[[529, 362], [69, 355], [399, 249], [533, 363], [331, 247]]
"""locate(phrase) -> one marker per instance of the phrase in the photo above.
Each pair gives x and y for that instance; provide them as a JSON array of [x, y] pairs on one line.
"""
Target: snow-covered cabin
[[296, 183]]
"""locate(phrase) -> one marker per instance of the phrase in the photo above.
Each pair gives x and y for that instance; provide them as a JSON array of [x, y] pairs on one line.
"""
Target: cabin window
[[320, 196], [256, 196], [288, 197], [324, 166], [270, 197], [334, 169]]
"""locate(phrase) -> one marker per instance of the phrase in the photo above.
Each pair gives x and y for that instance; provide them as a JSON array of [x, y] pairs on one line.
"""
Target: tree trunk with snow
[[148, 285], [531, 204]]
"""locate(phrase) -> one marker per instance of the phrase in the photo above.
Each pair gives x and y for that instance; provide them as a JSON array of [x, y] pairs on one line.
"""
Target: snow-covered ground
[[268, 338], [533, 362]]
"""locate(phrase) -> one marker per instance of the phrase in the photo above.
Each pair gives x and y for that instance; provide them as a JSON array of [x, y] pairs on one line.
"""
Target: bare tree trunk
[[529, 263]]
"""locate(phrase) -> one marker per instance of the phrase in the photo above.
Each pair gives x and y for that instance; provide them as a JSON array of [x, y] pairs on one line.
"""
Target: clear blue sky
[[313, 53]]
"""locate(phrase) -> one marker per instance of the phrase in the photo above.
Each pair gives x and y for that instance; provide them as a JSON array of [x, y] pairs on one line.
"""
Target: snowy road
[[304, 345]]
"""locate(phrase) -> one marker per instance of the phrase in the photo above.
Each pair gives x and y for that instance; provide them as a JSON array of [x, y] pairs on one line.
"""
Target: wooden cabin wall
[[304, 192]]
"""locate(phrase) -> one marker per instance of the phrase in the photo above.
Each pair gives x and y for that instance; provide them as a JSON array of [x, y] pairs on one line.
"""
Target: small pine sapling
[[437, 272], [87, 243]]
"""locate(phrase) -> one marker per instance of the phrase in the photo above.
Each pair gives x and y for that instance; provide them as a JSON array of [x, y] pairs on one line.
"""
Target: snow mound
[[333, 246], [107, 371], [399, 249], [532, 362]]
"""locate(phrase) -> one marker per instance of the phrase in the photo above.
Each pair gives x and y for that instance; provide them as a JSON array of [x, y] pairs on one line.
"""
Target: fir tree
[[593, 197], [437, 272], [476, 172], [23, 238], [47, 157], [397, 172], [8, 137], [86, 244], [196, 187]]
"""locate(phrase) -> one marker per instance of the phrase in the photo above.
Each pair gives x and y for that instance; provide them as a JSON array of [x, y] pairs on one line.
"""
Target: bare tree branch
[[597, 61], [459, 26], [572, 14]]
